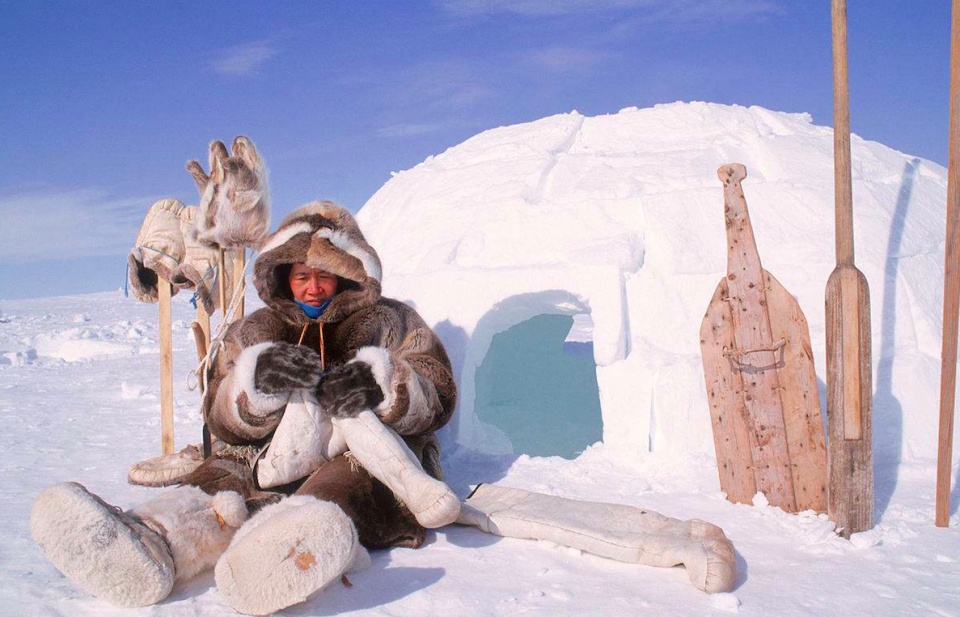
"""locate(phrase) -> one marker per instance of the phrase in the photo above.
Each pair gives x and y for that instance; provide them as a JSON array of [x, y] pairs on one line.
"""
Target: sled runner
[[761, 384]]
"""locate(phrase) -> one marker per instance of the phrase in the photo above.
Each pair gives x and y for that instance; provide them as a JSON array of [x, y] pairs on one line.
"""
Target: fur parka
[[406, 357]]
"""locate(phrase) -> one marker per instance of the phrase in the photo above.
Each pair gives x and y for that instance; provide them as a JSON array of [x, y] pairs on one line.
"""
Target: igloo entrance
[[538, 385]]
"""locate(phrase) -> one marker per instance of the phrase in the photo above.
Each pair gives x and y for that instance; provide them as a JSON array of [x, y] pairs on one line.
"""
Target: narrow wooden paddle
[[849, 378]]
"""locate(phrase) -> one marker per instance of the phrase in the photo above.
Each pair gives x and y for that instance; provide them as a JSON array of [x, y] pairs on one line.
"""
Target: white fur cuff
[[244, 380], [379, 360]]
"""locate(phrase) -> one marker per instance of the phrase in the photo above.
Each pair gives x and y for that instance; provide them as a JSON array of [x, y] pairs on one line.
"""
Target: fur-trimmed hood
[[322, 235]]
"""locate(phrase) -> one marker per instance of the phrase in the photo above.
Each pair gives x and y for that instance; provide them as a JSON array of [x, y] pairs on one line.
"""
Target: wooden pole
[[222, 280], [166, 367], [202, 322], [239, 284], [951, 285], [849, 370]]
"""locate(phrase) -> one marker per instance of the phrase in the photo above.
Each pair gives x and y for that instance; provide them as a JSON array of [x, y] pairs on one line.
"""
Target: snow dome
[[567, 264]]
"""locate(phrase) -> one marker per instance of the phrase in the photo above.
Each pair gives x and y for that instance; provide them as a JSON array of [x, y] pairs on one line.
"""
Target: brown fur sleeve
[[233, 408], [417, 381]]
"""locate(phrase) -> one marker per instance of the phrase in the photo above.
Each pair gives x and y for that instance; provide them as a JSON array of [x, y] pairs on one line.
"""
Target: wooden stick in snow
[[951, 285], [166, 367]]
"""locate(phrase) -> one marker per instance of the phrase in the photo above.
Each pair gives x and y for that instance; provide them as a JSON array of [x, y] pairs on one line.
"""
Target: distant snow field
[[567, 264]]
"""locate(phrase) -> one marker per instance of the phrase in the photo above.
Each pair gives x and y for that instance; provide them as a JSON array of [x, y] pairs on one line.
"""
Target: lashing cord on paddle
[[742, 352]]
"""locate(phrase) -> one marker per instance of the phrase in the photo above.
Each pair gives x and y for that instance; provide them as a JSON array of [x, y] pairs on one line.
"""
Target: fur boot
[[107, 553], [387, 458], [616, 531], [285, 553], [133, 558]]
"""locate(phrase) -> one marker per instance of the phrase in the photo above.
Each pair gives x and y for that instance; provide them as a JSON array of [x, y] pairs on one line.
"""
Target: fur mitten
[[199, 268], [347, 390], [234, 198], [157, 251], [283, 367]]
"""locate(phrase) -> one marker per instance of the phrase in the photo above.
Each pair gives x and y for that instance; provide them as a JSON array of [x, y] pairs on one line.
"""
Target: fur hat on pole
[[234, 198]]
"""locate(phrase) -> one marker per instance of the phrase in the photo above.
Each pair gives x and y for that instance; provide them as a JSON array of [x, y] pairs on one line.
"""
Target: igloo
[[567, 264]]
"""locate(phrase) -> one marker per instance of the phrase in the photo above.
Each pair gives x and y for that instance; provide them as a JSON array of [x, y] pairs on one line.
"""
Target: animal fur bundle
[[234, 198]]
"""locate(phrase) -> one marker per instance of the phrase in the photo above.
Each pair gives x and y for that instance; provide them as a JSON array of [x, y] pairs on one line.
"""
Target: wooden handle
[[743, 260], [731, 173], [843, 188], [951, 284]]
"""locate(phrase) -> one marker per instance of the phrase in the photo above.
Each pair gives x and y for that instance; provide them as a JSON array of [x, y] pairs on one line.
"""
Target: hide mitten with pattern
[[347, 390], [284, 366]]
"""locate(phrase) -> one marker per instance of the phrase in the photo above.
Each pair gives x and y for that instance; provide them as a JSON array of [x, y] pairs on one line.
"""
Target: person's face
[[311, 286]]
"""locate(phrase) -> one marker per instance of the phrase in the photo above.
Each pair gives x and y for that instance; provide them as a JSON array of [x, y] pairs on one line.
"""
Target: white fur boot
[[133, 558], [285, 553], [102, 550], [616, 531], [384, 454]]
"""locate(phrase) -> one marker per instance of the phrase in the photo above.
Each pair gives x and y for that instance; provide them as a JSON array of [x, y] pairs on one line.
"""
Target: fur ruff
[[322, 235]]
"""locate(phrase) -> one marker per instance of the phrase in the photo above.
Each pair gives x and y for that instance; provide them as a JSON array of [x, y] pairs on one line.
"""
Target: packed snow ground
[[79, 401]]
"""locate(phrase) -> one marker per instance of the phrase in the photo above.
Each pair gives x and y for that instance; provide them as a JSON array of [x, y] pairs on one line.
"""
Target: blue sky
[[103, 102]]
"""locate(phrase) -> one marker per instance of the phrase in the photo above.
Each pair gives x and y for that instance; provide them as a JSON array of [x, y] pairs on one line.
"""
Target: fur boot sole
[[98, 547], [287, 557]]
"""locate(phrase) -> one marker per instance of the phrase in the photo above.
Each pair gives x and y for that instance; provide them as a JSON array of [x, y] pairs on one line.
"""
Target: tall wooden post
[[165, 292], [951, 284]]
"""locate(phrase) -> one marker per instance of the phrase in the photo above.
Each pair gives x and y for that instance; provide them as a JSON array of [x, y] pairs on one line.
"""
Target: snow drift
[[617, 220]]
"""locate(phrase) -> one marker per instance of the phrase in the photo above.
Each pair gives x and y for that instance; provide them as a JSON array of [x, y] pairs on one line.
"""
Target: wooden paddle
[[951, 285], [761, 384], [849, 379]]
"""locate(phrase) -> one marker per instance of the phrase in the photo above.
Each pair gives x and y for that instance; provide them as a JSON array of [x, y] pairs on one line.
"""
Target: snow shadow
[[372, 588], [955, 495], [887, 410]]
